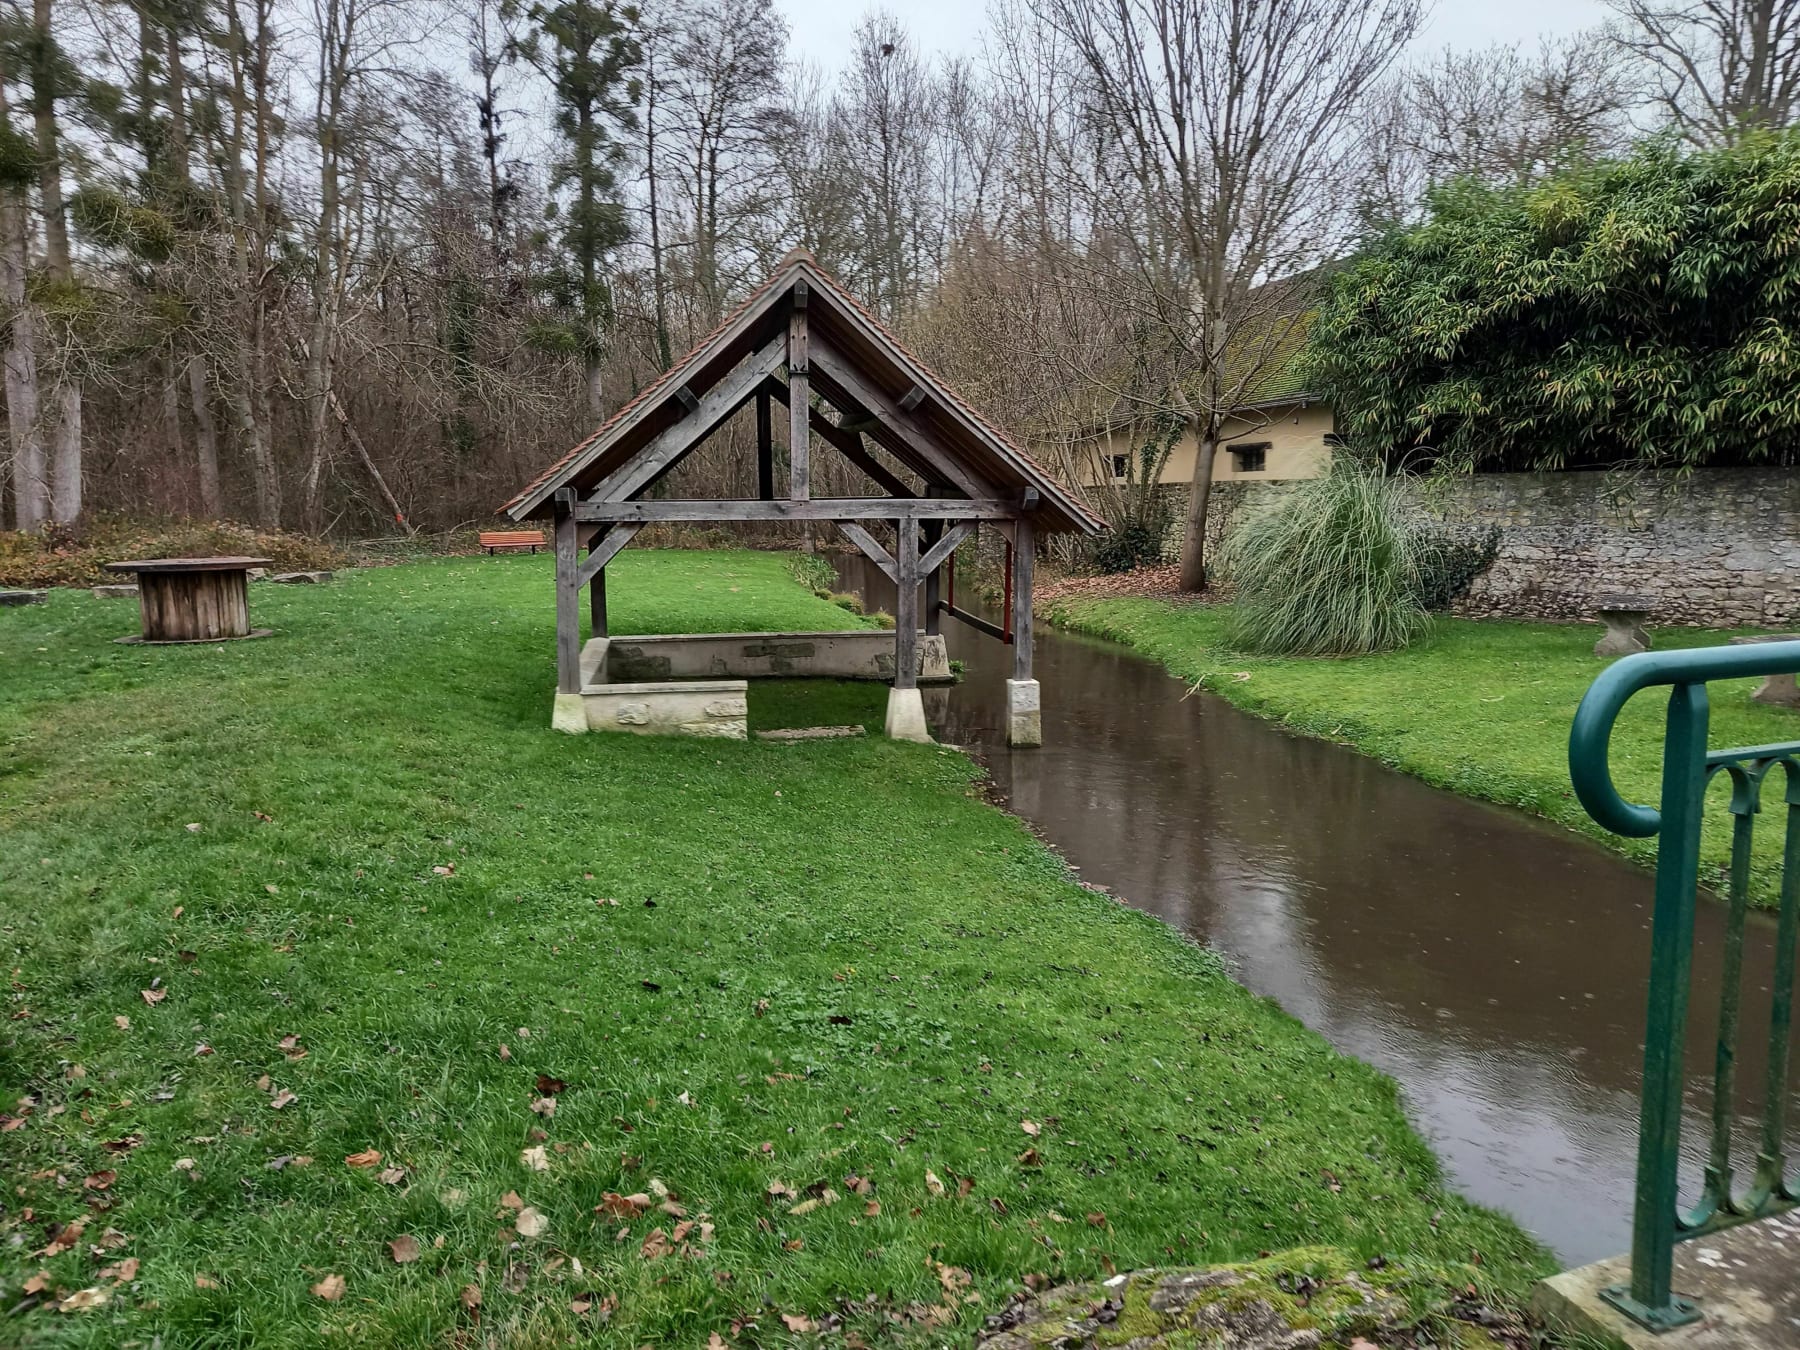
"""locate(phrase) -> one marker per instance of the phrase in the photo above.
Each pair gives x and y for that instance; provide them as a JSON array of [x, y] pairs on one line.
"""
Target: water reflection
[[1494, 965]]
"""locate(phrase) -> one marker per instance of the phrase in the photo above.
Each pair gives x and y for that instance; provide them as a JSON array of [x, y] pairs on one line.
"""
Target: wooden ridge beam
[[819, 508]]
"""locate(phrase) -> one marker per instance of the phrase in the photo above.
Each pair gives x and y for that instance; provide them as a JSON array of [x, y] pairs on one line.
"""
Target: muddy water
[[1492, 964]]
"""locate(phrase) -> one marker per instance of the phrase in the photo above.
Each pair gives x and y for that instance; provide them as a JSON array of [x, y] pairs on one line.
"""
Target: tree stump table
[[193, 599], [1624, 617]]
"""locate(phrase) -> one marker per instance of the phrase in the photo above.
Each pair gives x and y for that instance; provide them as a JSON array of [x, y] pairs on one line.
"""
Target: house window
[[1249, 458], [1120, 465]]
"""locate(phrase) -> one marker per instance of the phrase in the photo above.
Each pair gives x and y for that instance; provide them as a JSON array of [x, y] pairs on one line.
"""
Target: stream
[[1493, 964]]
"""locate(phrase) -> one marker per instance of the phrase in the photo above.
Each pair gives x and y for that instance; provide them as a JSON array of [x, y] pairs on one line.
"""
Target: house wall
[[1295, 433], [1718, 548]]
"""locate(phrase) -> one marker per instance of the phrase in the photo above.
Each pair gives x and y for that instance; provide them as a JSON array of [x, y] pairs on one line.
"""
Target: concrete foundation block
[[569, 714], [124, 591], [1742, 1280], [1024, 713], [301, 578], [9, 598], [906, 717]]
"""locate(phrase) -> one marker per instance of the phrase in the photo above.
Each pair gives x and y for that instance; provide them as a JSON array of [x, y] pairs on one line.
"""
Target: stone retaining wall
[[1718, 547]]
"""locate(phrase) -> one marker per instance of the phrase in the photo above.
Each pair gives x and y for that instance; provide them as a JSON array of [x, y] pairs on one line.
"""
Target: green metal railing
[[1660, 1220]]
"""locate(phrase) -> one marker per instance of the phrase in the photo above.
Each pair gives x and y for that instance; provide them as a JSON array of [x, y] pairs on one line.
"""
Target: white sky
[[822, 28]]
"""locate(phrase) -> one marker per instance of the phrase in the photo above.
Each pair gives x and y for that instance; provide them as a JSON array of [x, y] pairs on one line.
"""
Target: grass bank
[[347, 1000], [1480, 708]]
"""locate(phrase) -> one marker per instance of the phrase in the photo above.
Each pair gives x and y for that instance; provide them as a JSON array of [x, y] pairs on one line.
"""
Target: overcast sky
[[822, 28]]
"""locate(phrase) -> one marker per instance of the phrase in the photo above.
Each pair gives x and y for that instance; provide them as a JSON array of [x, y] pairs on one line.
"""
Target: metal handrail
[[1658, 1220]]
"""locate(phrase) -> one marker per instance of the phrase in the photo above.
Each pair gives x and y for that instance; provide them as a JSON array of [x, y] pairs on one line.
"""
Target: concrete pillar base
[[906, 716], [569, 714], [1024, 713]]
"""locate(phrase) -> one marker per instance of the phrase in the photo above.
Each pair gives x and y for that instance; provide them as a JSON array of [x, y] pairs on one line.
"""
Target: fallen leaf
[[184, 1164], [367, 1158], [122, 1022], [194, 828], [1030, 1158], [405, 1249], [123, 1272], [545, 1107], [392, 1176], [1096, 1220], [617, 1206], [548, 1086], [799, 1322], [505, 1053], [1030, 1127], [84, 1299], [470, 1297], [656, 1246], [124, 1144], [66, 1237], [153, 996], [932, 1183], [872, 1208], [511, 1201], [331, 1288], [530, 1223], [282, 1098], [99, 1181], [205, 1282], [110, 1241], [265, 1084], [38, 1282], [535, 1158]]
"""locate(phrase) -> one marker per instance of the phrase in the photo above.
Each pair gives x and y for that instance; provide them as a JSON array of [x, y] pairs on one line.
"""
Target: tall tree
[[1226, 124], [25, 439], [1723, 67], [589, 54]]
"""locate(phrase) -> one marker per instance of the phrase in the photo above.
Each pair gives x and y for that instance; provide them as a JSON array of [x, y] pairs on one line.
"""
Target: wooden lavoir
[[192, 599]]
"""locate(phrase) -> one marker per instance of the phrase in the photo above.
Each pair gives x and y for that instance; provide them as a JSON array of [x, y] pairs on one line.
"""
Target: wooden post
[[799, 401], [906, 608], [1023, 549], [765, 449], [934, 531], [597, 604], [568, 617]]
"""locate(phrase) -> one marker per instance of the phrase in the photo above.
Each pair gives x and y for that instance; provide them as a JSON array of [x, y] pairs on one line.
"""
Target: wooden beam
[[944, 547], [911, 399], [906, 609], [685, 397], [719, 402], [765, 444], [849, 445], [603, 551], [568, 621], [974, 621], [1023, 551], [597, 604], [870, 547], [837, 369], [820, 508], [934, 531], [799, 401]]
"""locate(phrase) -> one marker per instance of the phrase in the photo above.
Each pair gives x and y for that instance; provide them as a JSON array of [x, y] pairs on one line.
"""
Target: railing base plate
[[1680, 1312]]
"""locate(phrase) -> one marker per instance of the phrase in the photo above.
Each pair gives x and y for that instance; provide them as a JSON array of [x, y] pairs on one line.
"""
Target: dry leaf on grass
[[99, 1181], [932, 1184], [392, 1176], [530, 1223], [545, 1107], [122, 1271], [153, 996], [1030, 1127], [470, 1297], [367, 1158], [331, 1288], [535, 1158], [798, 1322], [404, 1249], [85, 1299], [283, 1098], [205, 1282], [617, 1206]]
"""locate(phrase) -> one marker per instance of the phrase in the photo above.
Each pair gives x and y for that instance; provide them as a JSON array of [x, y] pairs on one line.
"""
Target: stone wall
[[1718, 547]]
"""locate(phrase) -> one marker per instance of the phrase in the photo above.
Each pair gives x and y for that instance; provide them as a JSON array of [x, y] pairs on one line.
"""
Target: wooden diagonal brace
[[603, 551], [871, 547], [934, 557]]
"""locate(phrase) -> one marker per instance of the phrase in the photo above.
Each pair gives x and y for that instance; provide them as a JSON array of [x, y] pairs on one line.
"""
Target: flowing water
[[1491, 963]]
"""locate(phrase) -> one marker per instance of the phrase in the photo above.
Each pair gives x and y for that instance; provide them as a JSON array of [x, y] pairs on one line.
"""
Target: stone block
[[14, 598], [857, 654], [1024, 713], [675, 708], [124, 591], [301, 578], [1742, 1279], [569, 715], [811, 733]]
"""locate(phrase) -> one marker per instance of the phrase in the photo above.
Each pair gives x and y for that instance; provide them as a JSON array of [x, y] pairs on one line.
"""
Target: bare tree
[[1225, 125], [1722, 66]]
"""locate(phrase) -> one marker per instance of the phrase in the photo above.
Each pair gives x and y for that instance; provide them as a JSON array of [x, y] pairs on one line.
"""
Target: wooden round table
[[193, 599]]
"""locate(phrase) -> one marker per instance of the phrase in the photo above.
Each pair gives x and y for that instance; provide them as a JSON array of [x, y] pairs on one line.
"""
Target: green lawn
[[848, 1029], [1482, 708]]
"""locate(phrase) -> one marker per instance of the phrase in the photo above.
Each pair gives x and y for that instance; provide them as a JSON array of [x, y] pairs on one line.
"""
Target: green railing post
[[1658, 1221]]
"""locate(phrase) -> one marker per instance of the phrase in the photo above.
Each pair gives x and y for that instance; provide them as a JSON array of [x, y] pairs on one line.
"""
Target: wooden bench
[[493, 540]]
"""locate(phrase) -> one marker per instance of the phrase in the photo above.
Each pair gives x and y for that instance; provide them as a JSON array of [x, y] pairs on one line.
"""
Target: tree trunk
[[25, 434], [63, 407], [65, 452], [206, 439], [1193, 536], [596, 390]]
